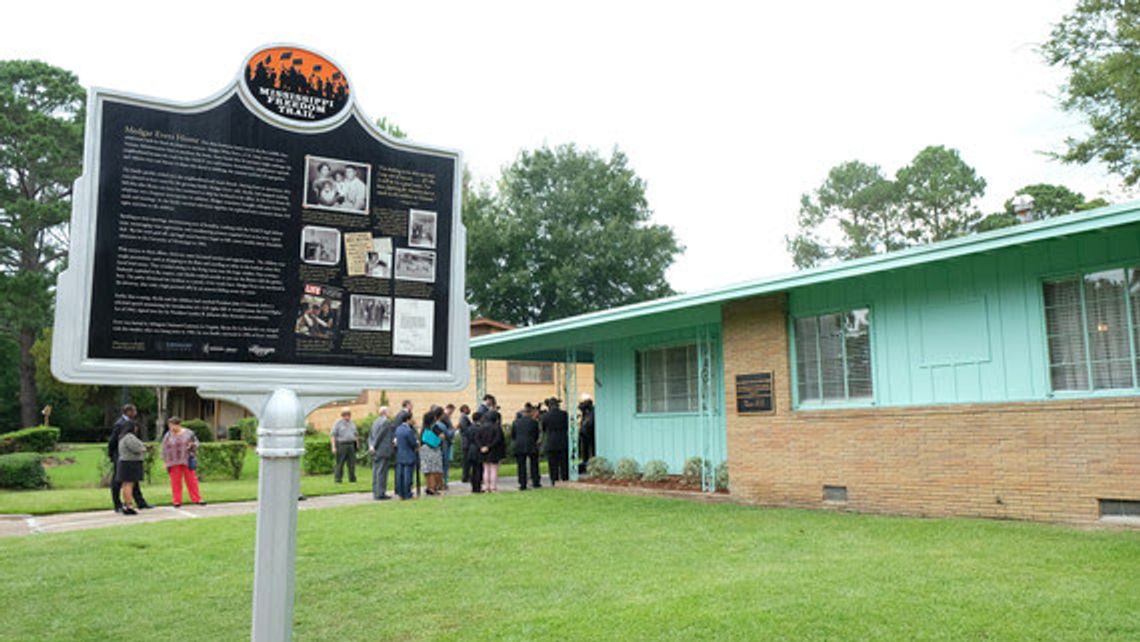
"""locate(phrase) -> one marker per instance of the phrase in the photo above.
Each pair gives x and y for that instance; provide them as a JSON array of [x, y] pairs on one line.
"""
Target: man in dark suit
[[405, 412], [556, 440], [524, 433], [381, 445], [126, 421], [472, 465], [407, 446]]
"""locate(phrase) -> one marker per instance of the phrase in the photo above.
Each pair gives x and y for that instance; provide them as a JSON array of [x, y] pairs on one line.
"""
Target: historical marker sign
[[271, 233], [754, 392]]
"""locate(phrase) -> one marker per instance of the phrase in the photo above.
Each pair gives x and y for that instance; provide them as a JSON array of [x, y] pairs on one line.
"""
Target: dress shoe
[[177, 505], [118, 509], [127, 510], [145, 506]]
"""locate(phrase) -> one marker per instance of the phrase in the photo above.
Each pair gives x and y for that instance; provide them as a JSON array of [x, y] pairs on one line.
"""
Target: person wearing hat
[[556, 440], [345, 441]]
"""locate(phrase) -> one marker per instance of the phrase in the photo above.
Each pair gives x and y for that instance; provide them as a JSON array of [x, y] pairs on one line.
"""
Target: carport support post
[[280, 444], [570, 381]]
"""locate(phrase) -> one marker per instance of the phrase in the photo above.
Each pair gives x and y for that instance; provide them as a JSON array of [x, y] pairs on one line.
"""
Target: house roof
[[551, 340]]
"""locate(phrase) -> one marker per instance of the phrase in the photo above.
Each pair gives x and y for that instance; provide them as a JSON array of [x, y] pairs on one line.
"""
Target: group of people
[[537, 429], [341, 188], [128, 452]]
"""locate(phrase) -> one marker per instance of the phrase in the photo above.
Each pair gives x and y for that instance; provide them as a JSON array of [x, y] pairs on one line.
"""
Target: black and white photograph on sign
[[373, 313], [421, 228], [414, 320], [415, 265], [320, 245], [318, 315], [379, 262], [336, 185]]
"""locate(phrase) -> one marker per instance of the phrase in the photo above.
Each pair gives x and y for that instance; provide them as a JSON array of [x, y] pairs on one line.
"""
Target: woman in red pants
[[179, 449]]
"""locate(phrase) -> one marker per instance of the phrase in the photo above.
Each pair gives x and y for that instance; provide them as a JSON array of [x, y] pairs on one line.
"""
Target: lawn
[[75, 486], [582, 565]]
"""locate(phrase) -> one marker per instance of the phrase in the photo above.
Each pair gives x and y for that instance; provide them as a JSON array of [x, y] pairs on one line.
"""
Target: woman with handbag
[[431, 454], [180, 455]]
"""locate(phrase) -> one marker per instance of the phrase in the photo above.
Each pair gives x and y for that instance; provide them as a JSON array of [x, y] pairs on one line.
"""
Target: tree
[[566, 232], [1048, 201], [1099, 44], [861, 203], [41, 147], [938, 190], [858, 211]]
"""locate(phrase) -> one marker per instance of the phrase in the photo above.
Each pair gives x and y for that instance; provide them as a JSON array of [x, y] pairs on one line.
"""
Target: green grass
[[580, 565], [75, 486]]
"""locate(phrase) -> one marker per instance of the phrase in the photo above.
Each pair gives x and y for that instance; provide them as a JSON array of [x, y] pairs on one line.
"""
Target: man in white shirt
[[355, 193]]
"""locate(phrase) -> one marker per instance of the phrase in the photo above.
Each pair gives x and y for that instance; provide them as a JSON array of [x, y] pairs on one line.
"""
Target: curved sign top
[[296, 85]]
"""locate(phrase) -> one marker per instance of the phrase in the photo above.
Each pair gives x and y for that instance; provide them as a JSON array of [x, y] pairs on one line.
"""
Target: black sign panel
[[221, 237], [754, 392]]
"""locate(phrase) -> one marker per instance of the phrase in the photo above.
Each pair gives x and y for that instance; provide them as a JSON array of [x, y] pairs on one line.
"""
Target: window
[[529, 372], [1091, 329], [667, 379], [833, 357]]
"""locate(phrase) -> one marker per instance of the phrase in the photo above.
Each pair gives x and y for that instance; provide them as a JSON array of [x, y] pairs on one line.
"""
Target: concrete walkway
[[13, 525]]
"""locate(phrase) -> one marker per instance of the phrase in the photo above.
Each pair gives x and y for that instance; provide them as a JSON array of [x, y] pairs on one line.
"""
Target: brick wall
[[1047, 461]]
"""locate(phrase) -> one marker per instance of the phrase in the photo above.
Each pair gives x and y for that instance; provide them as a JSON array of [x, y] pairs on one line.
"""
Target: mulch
[[673, 483]]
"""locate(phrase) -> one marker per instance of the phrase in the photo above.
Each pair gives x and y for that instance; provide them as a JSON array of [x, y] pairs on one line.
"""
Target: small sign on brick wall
[[754, 393]]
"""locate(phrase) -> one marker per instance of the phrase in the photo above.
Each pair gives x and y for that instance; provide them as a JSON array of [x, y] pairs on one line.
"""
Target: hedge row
[[221, 460], [657, 470], [38, 439], [22, 471]]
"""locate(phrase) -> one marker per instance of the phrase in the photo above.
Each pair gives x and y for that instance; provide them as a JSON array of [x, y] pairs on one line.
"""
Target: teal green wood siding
[[672, 438], [968, 329]]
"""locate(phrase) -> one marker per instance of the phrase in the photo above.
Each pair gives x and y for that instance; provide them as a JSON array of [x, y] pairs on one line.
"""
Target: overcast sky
[[729, 111]]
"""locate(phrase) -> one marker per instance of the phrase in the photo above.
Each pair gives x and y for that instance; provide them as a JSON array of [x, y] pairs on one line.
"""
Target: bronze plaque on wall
[[754, 393]]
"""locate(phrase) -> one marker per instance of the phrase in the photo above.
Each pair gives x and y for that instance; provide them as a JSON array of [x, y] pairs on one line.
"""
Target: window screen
[[833, 357], [529, 372], [667, 379], [1091, 330]]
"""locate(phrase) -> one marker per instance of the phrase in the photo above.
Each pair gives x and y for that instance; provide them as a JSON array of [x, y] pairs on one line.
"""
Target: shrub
[[721, 476], [655, 471], [627, 469], [599, 468], [691, 472], [319, 459], [222, 459], [247, 427], [311, 430], [22, 470], [153, 454], [38, 439], [201, 428], [233, 433], [105, 472]]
